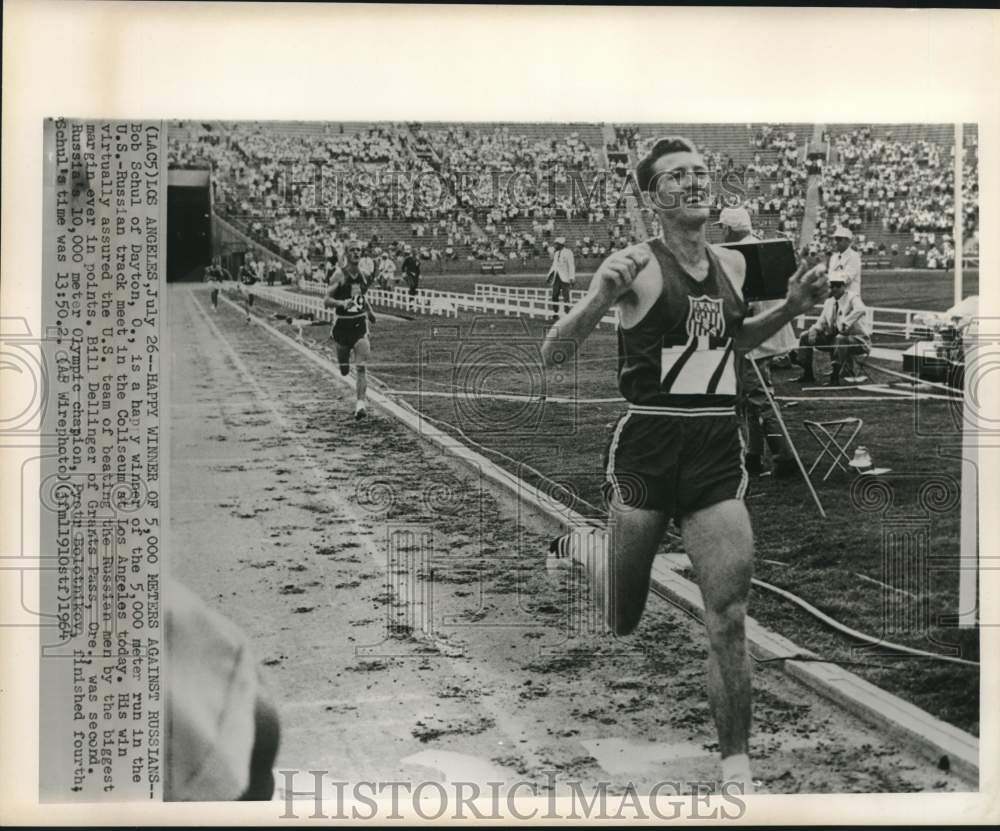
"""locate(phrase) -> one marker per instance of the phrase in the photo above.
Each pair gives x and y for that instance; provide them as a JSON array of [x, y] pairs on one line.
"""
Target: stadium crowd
[[879, 186], [456, 192], [462, 193]]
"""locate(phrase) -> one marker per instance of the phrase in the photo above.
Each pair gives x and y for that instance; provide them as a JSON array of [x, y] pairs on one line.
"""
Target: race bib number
[[706, 363], [356, 303], [698, 368]]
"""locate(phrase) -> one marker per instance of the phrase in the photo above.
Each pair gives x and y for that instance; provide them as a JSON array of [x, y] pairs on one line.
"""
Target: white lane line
[[849, 398], [507, 396]]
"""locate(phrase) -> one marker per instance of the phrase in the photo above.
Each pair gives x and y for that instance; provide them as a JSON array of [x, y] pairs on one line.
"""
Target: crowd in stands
[[499, 149], [196, 148], [506, 242], [879, 184], [491, 178], [905, 186], [467, 193], [626, 136], [459, 186], [767, 137], [777, 188], [503, 178]]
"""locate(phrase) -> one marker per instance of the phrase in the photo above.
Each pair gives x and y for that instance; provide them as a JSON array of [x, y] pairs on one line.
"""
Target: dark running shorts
[[676, 464], [347, 331]]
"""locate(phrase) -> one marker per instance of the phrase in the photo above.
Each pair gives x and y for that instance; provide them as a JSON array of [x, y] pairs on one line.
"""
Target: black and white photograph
[[539, 414], [586, 458]]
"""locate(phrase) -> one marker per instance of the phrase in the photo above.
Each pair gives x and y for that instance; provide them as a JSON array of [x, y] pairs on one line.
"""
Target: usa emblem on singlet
[[705, 365]]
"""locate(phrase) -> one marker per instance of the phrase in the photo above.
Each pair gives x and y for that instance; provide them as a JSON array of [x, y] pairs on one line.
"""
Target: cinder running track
[[405, 623]]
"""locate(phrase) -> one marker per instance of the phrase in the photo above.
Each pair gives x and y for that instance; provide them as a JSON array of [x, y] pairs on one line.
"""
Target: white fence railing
[[312, 287], [426, 301], [522, 292], [293, 301], [523, 301], [534, 302], [885, 321], [529, 302], [486, 299]]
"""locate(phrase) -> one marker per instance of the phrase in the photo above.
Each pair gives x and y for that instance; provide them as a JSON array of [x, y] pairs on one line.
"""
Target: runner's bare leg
[[634, 536], [344, 359], [362, 352], [619, 572], [719, 542]]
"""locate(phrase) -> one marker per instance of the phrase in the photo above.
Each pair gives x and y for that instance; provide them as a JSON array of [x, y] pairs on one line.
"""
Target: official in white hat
[[736, 225], [843, 329], [845, 262], [562, 275]]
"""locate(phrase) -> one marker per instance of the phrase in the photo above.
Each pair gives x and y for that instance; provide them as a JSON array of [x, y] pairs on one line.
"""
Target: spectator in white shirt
[[843, 328], [845, 261], [562, 275], [366, 267], [303, 268]]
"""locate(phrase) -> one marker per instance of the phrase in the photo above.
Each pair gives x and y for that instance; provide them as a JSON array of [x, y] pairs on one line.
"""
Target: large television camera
[[770, 263]]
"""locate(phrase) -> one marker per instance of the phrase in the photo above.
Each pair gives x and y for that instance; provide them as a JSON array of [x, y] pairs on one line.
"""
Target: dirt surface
[[406, 625]]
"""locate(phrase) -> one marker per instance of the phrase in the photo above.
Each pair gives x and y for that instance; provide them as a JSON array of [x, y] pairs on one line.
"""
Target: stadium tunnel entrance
[[189, 225]]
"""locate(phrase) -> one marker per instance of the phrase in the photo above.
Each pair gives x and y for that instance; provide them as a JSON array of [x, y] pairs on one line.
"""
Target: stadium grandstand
[[465, 194]]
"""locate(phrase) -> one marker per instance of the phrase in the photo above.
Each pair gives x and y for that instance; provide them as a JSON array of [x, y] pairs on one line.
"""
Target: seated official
[[843, 329]]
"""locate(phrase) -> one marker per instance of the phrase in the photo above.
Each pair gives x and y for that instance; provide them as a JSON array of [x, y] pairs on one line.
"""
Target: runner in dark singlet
[[677, 369], [352, 318], [677, 452], [248, 276], [215, 274]]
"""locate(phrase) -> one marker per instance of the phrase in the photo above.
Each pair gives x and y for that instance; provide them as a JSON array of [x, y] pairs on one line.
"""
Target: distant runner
[[248, 276], [350, 327], [215, 274]]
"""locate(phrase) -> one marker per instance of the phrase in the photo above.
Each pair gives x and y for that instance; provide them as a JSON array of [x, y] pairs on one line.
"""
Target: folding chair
[[828, 435]]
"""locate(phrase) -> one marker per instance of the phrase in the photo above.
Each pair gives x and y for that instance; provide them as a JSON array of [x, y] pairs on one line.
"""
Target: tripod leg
[[788, 439]]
